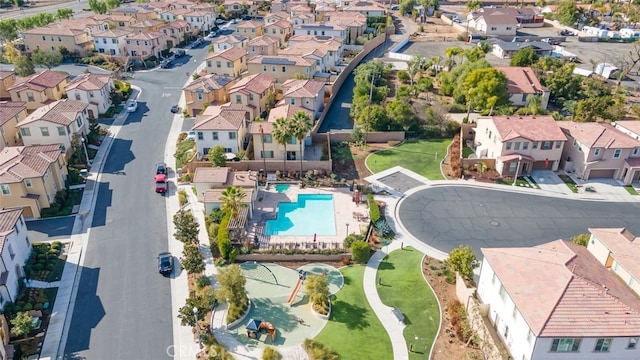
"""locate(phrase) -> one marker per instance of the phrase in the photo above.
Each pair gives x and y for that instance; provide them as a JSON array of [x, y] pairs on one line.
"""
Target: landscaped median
[[420, 156]]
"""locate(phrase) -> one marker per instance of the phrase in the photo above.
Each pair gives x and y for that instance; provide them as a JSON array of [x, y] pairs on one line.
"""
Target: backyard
[[420, 156], [400, 274], [354, 322]]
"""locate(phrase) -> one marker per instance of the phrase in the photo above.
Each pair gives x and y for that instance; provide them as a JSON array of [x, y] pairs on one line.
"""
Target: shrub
[[181, 137], [38, 306], [360, 252], [383, 228], [186, 177], [182, 197], [224, 243], [270, 353], [449, 277], [50, 266], [403, 76], [38, 267], [317, 351], [351, 239], [53, 251], [202, 282], [374, 210], [27, 307], [216, 215]]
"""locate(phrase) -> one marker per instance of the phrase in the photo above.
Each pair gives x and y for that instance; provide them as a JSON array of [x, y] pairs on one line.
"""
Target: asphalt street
[[123, 306], [76, 6], [445, 217]]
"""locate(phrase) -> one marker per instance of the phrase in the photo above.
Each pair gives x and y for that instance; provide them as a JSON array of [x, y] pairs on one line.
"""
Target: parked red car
[[161, 183]]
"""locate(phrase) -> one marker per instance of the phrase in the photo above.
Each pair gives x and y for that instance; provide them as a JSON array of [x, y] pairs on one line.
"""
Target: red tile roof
[[302, 88], [22, 162], [10, 109], [521, 80], [209, 83], [61, 112], [286, 111], [88, 82], [598, 134], [256, 83], [8, 220], [631, 125], [232, 54], [39, 82], [222, 117], [534, 128]]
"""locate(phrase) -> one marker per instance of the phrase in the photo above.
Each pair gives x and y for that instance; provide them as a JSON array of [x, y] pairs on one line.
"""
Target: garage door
[[607, 173], [540, 165]]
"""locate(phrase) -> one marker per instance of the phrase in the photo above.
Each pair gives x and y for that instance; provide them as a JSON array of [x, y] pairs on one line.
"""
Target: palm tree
[[231, 199], [282, 134], [301, 125]]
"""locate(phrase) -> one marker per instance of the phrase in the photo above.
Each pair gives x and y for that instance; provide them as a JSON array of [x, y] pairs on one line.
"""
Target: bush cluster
[[224, 243], [318, 351], [360, 252], [374, 209], [455, 161], [42, 260]]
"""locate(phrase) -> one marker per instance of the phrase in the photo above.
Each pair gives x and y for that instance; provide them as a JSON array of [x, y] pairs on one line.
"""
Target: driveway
[[550, 181], [445, 217], [59, 228]]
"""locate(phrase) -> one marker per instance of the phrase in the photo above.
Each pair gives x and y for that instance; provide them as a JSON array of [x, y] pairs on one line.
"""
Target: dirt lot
[[434, 29]]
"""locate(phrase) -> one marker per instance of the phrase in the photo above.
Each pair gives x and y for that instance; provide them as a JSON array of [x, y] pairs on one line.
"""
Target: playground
[[280, 313]]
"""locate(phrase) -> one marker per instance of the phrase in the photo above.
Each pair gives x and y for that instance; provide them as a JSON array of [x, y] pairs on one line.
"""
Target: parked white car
[[132, 106]]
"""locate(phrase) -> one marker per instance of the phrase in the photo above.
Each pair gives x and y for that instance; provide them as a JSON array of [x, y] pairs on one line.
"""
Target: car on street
[[233, 21], [132, 106], [197, 42], [213, 33], [220, 21], [175, 109], [165, 263], [179, 52], [165, 63], [565, 32], [161, 183], [191, 135], [161, 168]]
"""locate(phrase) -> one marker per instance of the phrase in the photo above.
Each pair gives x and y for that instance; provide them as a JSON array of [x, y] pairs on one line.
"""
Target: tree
[[8, 30], [473, 5], [301, 125], [567, 12], [112, 4], [23, 66], [406, 6], [414, 66], [63, 14], [524, 57], [232, 286], [202, 300], [563, 84], [98, 7], [231, 199], [270, 353], [187, 228], [360, 252], [402, 113], [463, 260], [486, 88], [11, 53], [22, 324], [282, 134], [47, 59], [192, 260], [217, 156], [581, 239], [318, 292]]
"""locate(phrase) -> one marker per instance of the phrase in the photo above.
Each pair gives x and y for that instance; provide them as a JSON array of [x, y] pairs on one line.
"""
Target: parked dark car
[[179, 53], [165, 263], [175, 109], [161, 168]]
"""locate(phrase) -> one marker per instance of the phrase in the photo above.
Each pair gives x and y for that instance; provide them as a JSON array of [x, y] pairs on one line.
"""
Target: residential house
[[207, 7], [207, 90], [15, 249], [231, 62], [211, 182], [493, 23], [250, 28], [182, 4], [253, 92], [617, 249], [202, 21], [234, 8], [302, 18], [30, 177], [300, 9], [522, 84], [308, 94], [39, 89], [599, 150], [280, 30], [282, 68], [174, 14], [116, 22], [275, 16], [139, 13], [506, 49], [73, 35], [263, 45], [229, 41], [111, 42], [159, 6], [286, 111], [56, 123], [555, 301], [11, 113], [525, 17], [93, 89], [322, 29], [354, 23], [145, 45], [366, 8], [224, 125], [278, 6], [265, 145], [333, 46], [629, 127], [176, 32], [520, 144], [7, 79], [148, 26], [319, 54]]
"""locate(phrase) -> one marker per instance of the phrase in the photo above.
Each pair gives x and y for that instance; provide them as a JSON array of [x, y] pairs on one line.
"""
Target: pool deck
[[266, 207]]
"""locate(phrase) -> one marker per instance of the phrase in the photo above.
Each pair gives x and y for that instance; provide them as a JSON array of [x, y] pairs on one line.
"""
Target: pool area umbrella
[[253, 325]]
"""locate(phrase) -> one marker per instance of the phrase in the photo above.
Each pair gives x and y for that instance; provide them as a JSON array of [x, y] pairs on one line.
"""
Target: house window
[[199, 94], [293, 101], [215, 135], [200, 135], [292, 140], [513, 166], [44, 131], [238, 99], [29, 96], [25, 132], [44, 38], [77, 96], [79, 121], [5, 189], [11, 253], [267, 154], [508, 146], [534, 145], [565, 345], [633, 343], [267, 139], [602, 345], [525, 145], [229, 150], [493, 28], [229, 64], [546, 145], [516, 145], [264, 68], [62, 131], [27, 183], [284, 69], [558, 144], [273, 69], [596, 152], [232, 135], [616, 153], [503, 293], [218, 64], [635, 151]]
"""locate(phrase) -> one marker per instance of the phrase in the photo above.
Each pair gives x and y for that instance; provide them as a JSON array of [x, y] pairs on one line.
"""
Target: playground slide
[[295, 291]]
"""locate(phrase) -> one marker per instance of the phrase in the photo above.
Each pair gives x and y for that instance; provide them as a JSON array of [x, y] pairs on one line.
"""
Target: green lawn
[[466, 152], [401, 285], [354, 331], [630, 190], [422, 157], [569, 182]]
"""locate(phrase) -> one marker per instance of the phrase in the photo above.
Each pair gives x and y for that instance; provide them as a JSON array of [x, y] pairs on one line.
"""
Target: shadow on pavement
[[86, 314], [50, 229]]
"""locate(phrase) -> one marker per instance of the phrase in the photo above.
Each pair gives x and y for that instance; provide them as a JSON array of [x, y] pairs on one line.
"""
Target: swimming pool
[[311, 214], [282, 188]]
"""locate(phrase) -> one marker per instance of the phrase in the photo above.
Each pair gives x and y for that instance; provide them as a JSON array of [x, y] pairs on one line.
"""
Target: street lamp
[[195, 313], [347, 229], [86, 153], [515, 179]]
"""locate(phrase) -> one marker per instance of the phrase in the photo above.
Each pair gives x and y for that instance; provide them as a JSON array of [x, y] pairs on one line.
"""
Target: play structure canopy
[[253, 325]]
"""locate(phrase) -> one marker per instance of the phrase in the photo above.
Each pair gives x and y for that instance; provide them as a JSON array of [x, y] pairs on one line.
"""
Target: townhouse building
[[207, 90], [145, 45], [308, 94], [11, 113], [39, 89], [93, 89], [176, 33], [262, 45], [224, 125], [111, 42], [283, 68], [231, 62], [281, 30], [252, 92], [7, 79], [250, 28], [230, 41]]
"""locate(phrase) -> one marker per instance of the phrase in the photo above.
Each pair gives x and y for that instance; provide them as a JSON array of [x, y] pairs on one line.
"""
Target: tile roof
[[326, 26], [263, 40], [286, 111], [88, 82], [211, 175], [282, 23], [178, 24], [331, 43], [630, 125], [521, 80], [534, 128], [115, 33], [249, 24], [146, 24], [70, 27], [518, 45], [232, 54], [363, 6], [623, 245], [266, 126], [39, 82], [299, 49], [23, 162], [301, 8], [178, 11], [146, 35], [8, 220], [220, 118], [598, 134], [227, 177], [279, 15], [9, 110], [561, 290], [282, 60], [159, 4], [302, 88], [61, 112], [256, 84], [5, 74], [230, 39], [114, 18], [209, 83]]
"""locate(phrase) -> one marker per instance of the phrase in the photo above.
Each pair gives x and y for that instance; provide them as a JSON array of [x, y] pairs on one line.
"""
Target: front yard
[[64, 203], [420, 156]]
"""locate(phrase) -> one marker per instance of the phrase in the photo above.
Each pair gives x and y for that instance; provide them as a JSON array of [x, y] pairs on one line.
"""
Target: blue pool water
[[281, 188], [311, 214]]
